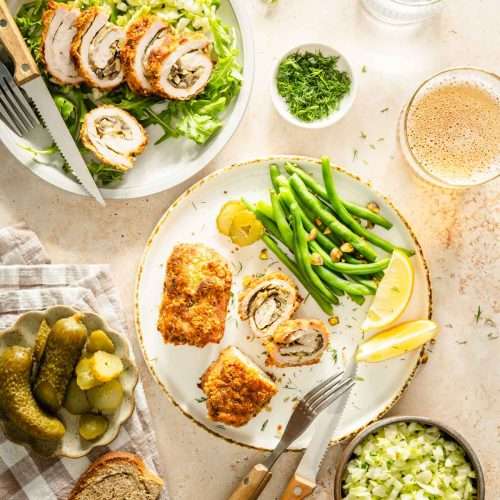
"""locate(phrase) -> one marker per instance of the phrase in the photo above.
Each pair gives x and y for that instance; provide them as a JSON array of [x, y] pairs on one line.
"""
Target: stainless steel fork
[[309, 407], [15, 109]]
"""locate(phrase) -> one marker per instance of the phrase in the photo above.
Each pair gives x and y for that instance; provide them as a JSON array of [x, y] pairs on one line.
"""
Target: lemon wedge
[[397, 340], [393, 293]]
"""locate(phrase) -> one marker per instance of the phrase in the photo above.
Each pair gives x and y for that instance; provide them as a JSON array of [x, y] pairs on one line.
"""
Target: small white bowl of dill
[[313, 86]]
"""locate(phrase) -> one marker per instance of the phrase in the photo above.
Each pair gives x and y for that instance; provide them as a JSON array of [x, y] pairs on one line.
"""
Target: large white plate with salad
[[194, 131], [177, 368]]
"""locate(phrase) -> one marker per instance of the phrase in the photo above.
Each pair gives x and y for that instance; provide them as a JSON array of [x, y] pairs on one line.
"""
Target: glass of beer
[[450, 129]]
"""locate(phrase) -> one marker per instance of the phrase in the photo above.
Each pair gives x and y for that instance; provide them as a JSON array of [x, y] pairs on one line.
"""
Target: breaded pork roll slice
[[196, 296], [114, 136], [267, 301], [59, 28], [96, 48], [297, 342], [181, 69], [141, 37], [236, 388]]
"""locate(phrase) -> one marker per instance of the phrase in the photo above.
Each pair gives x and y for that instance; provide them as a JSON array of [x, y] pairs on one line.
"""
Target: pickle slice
[[226, 216], [245, 228]]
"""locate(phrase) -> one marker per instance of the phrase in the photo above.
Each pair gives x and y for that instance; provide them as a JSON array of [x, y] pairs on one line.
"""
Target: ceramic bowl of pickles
[[67, 382]]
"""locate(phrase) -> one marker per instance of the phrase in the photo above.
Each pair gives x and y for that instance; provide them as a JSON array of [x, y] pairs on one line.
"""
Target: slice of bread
[[117, 475]]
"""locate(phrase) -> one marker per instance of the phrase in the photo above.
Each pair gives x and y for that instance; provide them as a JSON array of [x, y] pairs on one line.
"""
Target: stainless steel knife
[[303, 481], [28, 77]]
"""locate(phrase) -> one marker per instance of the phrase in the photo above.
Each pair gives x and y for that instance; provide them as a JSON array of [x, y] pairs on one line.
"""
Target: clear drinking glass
[[402, 11], [450, 129]]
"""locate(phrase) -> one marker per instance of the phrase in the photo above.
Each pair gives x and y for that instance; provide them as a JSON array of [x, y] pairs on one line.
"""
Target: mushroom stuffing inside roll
[[96, 50], [268, 301], [297, 342], [59, 28], [142, 36], [181, 69], [114, 136]]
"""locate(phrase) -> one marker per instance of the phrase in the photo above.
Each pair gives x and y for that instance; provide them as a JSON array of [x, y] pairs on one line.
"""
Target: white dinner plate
[[191, 219], [162, 166]]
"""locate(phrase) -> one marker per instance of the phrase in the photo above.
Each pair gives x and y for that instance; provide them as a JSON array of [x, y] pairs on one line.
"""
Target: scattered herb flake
[[477, 316], [363, 69], [354, 154], [384, 110], [363, 135], [264, 425], [201, 400], [359, 378]]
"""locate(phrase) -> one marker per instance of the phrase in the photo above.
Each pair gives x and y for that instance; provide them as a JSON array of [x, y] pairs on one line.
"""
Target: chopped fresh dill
[[311, 84], [264, 425], [384, 110], [363, 135]]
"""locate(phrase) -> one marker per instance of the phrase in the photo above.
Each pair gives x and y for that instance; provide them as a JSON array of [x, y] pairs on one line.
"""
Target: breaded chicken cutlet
[[236, 388], [196, 296]]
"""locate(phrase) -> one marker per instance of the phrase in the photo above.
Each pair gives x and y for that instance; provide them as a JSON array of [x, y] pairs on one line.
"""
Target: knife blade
[[304, 479], [39, 93], [28, 77]]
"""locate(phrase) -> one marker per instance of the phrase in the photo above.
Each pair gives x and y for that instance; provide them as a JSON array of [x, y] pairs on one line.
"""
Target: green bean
[[280, 220], [272, 228], [265, 208], [359, 299], [346, 217], [322, 302], [333, 280], [302, 254], [343, 267], [287, 196], [372, 285], [337, 227], [354, 209], [274, 172]]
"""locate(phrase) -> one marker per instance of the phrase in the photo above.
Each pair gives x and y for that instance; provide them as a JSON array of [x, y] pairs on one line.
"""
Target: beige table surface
[[459, 231]]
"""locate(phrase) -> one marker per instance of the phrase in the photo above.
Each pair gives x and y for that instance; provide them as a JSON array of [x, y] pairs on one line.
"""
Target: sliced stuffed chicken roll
[[114, 136], [96, 50], [59, 28], [297, 342], [180, 70], [268, 301], [142, 36]]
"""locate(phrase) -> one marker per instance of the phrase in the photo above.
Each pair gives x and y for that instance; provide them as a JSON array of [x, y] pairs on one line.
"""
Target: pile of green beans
[[308, 224]]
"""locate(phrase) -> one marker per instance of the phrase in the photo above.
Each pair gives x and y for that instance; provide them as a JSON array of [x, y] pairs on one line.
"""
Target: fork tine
[[327, 392], [324, 390], [11, 108], [320, 386], [336, 394], [16, 105], [5, 116], [22, 102]]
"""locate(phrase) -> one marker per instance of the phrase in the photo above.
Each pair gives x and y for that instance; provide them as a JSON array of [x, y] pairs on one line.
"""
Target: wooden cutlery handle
[[298, 488], [25, 66], [252, 484]]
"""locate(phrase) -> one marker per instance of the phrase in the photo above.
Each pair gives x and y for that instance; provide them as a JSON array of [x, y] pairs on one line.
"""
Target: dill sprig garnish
[[311, 84]]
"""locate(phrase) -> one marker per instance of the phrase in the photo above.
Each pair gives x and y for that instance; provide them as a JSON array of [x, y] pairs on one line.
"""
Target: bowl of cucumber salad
[[409, 458]]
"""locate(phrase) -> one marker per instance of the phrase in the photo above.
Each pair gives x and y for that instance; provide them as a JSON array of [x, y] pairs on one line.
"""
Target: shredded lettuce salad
[[197, 119], [409, 461]]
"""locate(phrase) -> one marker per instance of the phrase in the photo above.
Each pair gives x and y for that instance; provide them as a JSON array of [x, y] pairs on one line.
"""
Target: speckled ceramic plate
[[23, 333], [167, 164], [177, 369]]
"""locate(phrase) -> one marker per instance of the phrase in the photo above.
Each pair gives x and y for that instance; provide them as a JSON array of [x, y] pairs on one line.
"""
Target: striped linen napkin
[[29, 282]]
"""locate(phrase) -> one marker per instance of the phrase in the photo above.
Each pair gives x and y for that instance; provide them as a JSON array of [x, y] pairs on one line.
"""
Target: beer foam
[[453, 127]]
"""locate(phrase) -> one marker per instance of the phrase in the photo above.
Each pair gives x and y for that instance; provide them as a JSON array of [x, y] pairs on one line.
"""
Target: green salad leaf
[[198, 119]]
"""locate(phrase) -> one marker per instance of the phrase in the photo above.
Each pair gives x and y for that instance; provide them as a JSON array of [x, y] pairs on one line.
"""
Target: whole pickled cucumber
[[16, 398], [62, 352]]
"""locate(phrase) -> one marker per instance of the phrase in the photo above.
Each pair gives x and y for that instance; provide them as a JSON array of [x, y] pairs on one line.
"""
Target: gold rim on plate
[[210, 177]]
